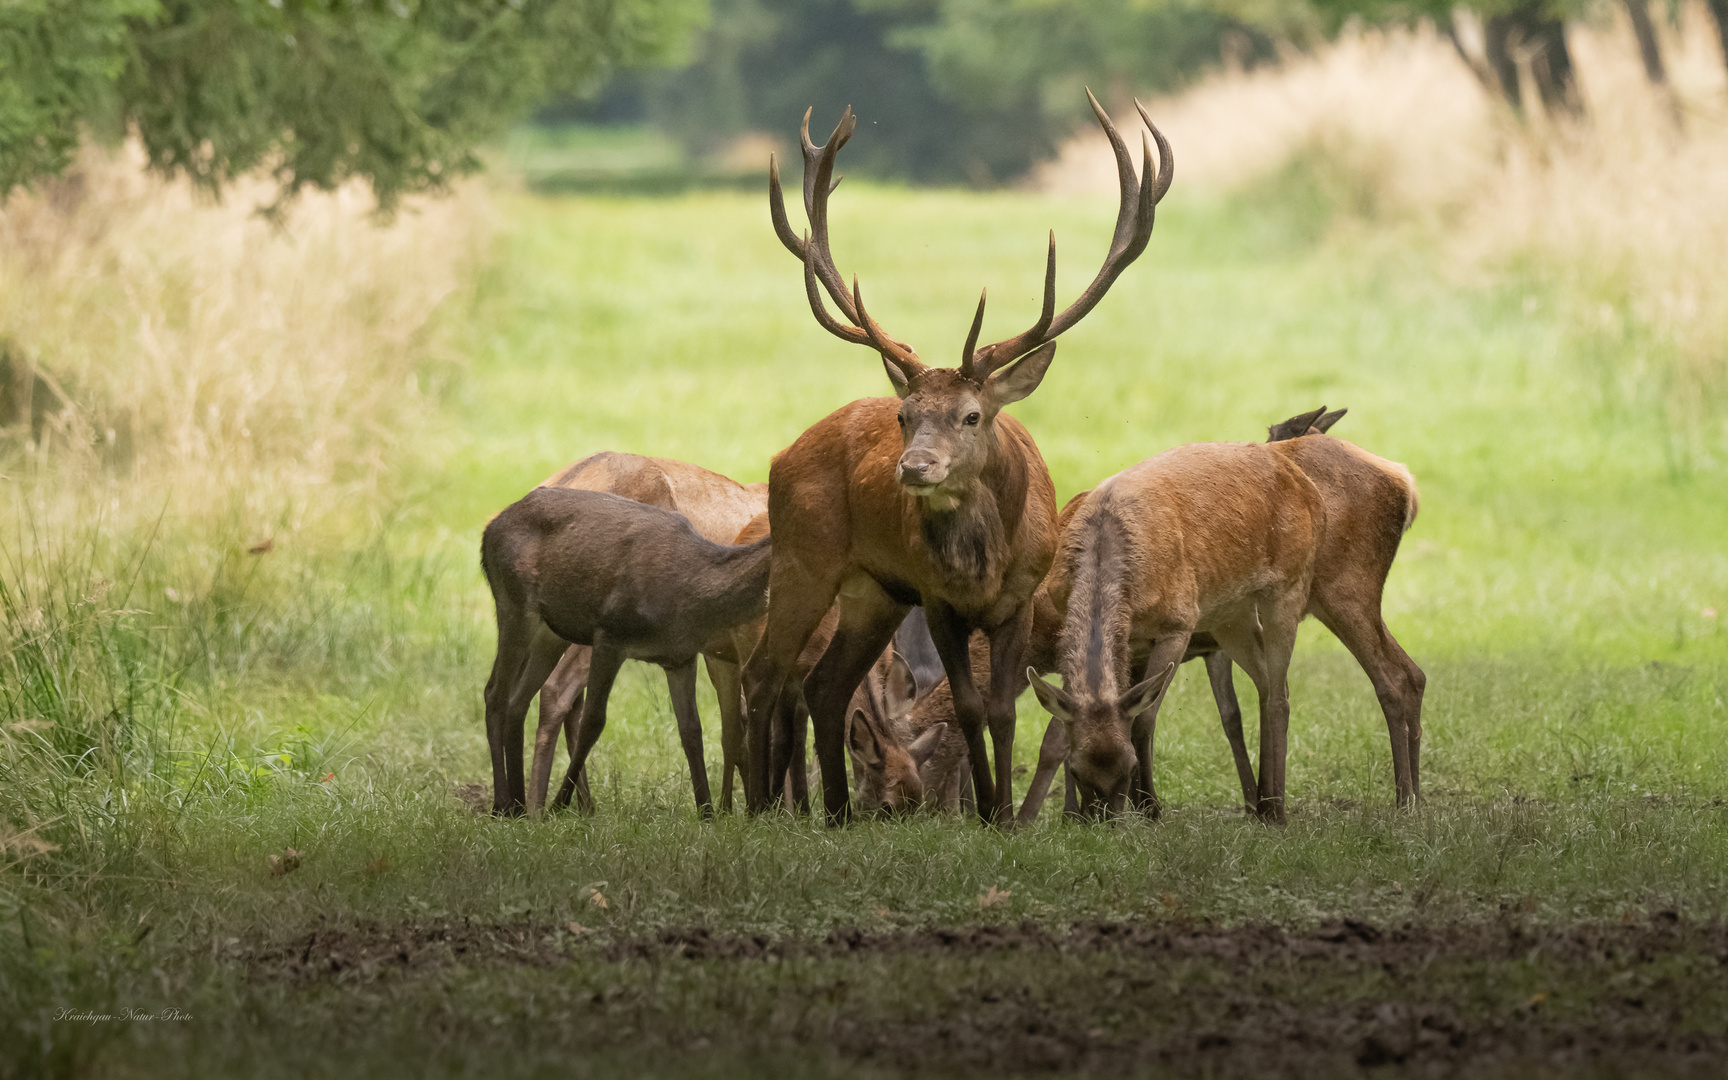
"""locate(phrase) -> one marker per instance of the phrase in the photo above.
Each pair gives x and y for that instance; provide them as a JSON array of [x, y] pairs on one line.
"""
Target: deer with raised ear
[[931, 497], [1240, 541]]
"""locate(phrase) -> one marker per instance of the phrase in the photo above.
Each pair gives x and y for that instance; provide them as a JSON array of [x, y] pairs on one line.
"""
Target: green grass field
[[1560, 589]]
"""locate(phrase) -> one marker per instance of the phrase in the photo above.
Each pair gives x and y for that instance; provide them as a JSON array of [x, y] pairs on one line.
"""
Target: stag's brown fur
[[588, 568], [717, 507]]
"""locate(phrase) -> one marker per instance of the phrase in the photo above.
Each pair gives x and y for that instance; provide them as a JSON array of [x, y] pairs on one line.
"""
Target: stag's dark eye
[[971, 419]]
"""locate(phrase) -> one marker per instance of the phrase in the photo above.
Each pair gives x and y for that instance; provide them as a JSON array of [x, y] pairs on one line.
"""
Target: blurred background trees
[[401, 92]]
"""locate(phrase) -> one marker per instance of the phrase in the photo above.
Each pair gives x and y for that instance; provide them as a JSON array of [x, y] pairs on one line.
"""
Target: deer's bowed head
[[947, 414]]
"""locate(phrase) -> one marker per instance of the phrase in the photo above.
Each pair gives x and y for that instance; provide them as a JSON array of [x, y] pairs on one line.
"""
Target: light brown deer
[[1240, 541], [717, 507], [573, 567], [933, 499], [941, 774]]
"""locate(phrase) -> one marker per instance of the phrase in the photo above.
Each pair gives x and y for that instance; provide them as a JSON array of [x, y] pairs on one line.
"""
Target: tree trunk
[[1550, 61], [1500, 35], [1719, 8], [1648, 50]]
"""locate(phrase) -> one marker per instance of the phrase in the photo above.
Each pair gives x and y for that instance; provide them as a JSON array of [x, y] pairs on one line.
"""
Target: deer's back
[[717, 506], [1205, 526], [1369, 502]]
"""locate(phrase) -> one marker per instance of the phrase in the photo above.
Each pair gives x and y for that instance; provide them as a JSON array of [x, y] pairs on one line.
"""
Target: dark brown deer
[[571, 567], [717, 507], [933, 499], [941, 772], [1239, 541]]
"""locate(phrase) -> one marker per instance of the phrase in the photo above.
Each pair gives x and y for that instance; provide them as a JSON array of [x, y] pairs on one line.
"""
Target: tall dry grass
[[173, 340], [1622, 219]]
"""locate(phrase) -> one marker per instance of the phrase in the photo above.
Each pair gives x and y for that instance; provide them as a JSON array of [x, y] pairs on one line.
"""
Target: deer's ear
[[863, 741], [1053, 698], [1295, 427], [925, 745], [1325, 423], [899, 689], [902, 385], [1140, 696], [1020, 378]]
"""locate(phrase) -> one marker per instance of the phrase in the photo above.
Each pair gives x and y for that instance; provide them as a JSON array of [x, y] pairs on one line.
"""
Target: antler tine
[[820, 309], [968, 351], [900, 355], [777, 211], [818, 185], [1134, 219]]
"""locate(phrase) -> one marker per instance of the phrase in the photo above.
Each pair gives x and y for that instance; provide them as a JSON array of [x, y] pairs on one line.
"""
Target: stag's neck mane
[[968, 534], [1095, 634]]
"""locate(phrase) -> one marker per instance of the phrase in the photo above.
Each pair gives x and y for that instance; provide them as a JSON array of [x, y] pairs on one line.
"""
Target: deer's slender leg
[[953, 644], [728, 691], [797, 771], [1167, 650], [1398, 684], [1218, 672], [560, 707], [681, 686], [1008, 647], [1264, 653], [527, 653], [796, 603], [1051, 753], [868, 619], [602, 670]]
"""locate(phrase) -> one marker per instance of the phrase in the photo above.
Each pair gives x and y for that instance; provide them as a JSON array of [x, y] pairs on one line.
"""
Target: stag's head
[[1099, 729], [947, 415]]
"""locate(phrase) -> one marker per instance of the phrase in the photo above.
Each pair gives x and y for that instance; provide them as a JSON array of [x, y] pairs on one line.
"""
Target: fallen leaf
[[378, 865], [1538, 998], [993, 896], [1708, 613], [1397, 886], [262, 547], [575, 927], [285, 863], [329, 776], [881, 912], [598, 899]]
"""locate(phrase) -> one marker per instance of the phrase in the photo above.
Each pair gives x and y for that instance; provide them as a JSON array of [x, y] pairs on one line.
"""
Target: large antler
[[1133, 229], [812, 249]]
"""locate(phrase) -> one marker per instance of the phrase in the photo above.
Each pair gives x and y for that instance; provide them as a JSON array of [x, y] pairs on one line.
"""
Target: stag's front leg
[[1051, 753], [1009, 644], [952, 636]]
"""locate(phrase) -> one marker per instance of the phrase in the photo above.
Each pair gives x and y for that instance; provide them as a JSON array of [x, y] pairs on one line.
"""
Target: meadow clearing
[[245, 634]]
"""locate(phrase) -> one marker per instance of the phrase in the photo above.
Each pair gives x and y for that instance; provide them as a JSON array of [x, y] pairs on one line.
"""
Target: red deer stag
[[933, 498], [572, 567], [1240, 541]]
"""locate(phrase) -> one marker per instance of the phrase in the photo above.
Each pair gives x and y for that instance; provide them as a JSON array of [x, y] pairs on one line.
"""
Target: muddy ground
[[1504, 998]]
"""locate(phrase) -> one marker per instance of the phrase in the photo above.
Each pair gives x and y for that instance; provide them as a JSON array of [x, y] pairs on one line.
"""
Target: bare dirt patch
[[1344, 998]]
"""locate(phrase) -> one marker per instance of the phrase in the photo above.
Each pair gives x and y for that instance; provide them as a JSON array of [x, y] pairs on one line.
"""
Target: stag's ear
[[863, 741], [1140, 696], [1020, 378], [1325, 423], [1053, 698], [902, 385], [925, 745]]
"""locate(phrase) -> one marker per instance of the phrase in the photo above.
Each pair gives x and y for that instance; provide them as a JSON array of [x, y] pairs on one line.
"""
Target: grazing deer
[[941, 774], [717, 507], [1240, 541], [572, 567], [933, 499]]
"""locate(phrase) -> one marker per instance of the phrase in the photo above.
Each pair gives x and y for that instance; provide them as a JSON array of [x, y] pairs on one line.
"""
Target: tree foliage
[[970, 90], [396, 91]]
